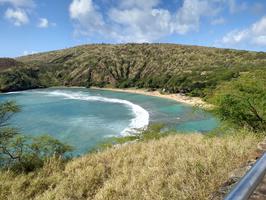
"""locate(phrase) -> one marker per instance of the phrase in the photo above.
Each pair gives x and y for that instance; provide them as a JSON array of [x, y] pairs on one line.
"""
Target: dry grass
[[174, 167]]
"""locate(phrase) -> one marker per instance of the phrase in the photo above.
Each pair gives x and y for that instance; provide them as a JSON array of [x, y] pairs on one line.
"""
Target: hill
[[191, 70], [7, 63]]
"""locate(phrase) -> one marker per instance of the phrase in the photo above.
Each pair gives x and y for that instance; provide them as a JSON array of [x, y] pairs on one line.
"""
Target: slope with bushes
[[173, 167], [176, 68], [7, 63], [242, 101]]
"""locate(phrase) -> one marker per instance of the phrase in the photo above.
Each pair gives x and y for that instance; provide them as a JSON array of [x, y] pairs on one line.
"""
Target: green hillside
[[176, 68], [7, 63]]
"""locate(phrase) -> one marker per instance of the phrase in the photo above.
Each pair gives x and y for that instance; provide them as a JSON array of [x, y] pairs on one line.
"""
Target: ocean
[[84, 118]]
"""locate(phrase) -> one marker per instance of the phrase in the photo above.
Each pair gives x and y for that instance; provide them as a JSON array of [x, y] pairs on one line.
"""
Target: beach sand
[[193, 101]]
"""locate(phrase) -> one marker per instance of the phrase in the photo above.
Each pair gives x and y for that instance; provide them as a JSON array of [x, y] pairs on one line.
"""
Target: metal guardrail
[[246, 186]]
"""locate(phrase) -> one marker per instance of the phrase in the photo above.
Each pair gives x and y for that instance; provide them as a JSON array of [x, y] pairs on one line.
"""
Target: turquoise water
[[85, 117]]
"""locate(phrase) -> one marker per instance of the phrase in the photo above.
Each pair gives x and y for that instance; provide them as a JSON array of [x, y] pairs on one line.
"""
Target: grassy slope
[[174, 167], [177, 68]]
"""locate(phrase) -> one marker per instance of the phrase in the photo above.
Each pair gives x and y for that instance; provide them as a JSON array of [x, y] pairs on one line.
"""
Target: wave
[[139, 122], [7, 93]]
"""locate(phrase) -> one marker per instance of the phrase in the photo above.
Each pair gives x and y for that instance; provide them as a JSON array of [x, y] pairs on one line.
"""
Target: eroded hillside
[[176, 68]]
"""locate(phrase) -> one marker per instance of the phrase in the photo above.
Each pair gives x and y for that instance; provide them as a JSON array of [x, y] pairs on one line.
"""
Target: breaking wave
[[139, 122]]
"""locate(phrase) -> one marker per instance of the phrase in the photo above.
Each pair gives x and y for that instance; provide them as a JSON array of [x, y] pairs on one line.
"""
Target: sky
[[33, 26]]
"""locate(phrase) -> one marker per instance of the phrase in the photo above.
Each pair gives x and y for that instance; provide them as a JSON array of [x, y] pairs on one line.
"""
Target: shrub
[[243, 101], [21, 153], [174, 167]]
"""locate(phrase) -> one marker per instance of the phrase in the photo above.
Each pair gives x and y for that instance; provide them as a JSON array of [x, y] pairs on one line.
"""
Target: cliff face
[[188, 69]]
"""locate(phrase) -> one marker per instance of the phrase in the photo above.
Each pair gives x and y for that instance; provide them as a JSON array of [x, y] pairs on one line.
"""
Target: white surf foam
[[139, 122], [6, 93]]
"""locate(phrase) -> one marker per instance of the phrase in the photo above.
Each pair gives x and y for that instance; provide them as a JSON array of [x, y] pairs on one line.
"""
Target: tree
[[23, 153], [243, 101], [7, 110]]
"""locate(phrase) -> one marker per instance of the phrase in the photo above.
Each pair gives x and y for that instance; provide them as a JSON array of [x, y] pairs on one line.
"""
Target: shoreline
[[192, 101]]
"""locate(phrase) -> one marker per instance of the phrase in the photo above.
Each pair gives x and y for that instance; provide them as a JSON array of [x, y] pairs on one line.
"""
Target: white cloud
[[218, 21], [236, 36], [26, 52], [254, 35], [17, 16], [135, 25], [189, 15], [80, 8], [138, 20], [43, 23], [259, 28], [18, 11], [86, 16]]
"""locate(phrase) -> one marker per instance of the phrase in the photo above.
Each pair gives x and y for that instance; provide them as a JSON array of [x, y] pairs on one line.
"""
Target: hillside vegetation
[[173, 167], [174, 68], [242, 101], [7, 63]]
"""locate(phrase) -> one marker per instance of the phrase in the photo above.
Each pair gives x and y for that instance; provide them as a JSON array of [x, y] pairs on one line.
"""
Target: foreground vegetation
[[173, 167], [21, 153]]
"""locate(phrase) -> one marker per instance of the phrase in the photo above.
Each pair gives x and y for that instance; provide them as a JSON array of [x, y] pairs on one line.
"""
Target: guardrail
[[246, 186]]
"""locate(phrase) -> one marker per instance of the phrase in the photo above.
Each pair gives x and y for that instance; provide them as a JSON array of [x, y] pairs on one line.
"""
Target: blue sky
[[30, 26]]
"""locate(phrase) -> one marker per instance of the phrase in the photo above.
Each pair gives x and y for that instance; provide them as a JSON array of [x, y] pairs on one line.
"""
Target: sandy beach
[[193, 101]]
